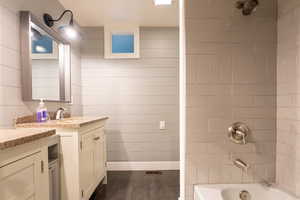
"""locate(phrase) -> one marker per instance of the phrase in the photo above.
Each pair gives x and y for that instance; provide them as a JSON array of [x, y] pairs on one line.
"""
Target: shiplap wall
[[11, 104], [45, 79], [288, 95], [231, 76], [135, 94]]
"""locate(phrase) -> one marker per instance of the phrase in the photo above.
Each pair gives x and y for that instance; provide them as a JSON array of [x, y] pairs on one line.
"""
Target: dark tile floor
[[139, 185]]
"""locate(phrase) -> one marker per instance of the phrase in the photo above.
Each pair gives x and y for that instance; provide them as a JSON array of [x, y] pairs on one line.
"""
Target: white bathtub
[[231, 192]]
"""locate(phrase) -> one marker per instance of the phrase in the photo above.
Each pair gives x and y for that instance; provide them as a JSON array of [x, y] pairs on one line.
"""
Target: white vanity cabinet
[[82, 154], [92, 160], [83, 158], [24, 164], [21, 179], [100, 152]]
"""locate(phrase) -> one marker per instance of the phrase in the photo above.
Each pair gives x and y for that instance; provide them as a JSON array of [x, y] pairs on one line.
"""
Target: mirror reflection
[[45, 62]]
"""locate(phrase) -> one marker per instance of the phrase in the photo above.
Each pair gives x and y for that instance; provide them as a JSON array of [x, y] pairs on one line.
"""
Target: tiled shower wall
[[11, 104], [136, 94], [231, 76], [288, 96]]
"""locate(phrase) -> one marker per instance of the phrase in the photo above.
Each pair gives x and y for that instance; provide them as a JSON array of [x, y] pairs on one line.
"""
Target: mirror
[[45, 62], [45, 65]]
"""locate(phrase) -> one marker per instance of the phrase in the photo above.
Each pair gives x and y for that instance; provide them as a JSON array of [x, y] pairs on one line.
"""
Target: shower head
[[247, 6]]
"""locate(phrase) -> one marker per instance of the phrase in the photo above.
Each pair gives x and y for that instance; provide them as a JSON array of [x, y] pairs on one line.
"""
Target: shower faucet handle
[[247, 6], [238, 133]]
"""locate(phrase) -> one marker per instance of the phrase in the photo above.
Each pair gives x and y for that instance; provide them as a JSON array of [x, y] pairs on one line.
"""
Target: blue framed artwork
[[122, 43]]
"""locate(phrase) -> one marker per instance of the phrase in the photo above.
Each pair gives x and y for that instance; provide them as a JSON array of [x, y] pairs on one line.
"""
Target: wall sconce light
[[68, 30]]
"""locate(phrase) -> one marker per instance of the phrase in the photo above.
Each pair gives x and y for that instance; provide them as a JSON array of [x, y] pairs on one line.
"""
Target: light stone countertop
[[14, 137], [72, 122]]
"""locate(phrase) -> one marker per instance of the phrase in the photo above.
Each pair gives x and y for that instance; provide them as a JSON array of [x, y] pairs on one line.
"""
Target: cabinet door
[[22, 179], [87, 163], [99, 156]]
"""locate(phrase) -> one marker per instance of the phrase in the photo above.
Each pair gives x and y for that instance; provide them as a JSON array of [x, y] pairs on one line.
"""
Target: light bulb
[[68, 31], [71, 32]]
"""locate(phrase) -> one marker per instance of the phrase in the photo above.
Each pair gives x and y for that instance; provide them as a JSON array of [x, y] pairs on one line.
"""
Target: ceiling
[[139, 12]]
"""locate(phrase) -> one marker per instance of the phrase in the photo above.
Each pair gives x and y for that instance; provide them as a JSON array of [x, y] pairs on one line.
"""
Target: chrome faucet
[[241, 164], [60, 113]]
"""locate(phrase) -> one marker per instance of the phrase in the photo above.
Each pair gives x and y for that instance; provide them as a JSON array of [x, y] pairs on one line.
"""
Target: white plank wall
[[136, 94], [45, 79]]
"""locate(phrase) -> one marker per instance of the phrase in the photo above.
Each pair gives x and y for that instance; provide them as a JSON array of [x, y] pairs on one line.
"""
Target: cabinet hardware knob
[[96, 138]]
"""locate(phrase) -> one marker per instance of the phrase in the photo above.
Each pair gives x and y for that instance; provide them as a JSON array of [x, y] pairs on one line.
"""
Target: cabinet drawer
[[96, 131], [88, 139], [92, 126]]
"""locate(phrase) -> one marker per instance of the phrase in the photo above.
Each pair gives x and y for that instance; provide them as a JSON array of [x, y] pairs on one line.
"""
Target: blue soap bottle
[[41, 112]]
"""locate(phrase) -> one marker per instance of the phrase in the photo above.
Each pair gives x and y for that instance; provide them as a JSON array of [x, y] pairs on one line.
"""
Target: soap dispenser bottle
[[41, 112]]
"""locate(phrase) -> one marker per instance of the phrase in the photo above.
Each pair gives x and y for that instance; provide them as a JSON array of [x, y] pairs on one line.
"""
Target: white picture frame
[[110, 30]]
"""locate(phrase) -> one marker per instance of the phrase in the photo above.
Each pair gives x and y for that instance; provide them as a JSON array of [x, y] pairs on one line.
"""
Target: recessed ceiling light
[[162, 2]]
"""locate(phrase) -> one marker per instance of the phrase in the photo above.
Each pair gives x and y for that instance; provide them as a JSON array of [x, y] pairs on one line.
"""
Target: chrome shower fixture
[[241, 164], [238, 133], [247, 6]]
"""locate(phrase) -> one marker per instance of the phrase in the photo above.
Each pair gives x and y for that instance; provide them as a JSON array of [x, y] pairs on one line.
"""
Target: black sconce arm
[[49, 21]]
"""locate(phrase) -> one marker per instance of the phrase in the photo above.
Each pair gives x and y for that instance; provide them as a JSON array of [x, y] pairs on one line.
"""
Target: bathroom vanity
[[82, 139], [23, 163], [83, 154]]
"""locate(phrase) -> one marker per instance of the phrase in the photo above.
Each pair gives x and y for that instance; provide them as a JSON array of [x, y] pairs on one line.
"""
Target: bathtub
[[231, 192]]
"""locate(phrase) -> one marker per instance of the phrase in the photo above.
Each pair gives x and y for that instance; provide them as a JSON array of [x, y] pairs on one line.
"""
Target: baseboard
[[143, 166]]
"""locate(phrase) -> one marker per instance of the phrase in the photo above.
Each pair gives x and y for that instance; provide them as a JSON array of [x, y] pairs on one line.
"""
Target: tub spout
[[241, 164]]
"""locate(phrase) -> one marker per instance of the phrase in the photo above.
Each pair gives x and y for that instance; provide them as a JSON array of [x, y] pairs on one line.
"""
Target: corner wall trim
[[143, 166]]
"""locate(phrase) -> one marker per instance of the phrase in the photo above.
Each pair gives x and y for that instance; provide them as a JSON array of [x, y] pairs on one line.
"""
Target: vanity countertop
[[72, 122], [14, 137]]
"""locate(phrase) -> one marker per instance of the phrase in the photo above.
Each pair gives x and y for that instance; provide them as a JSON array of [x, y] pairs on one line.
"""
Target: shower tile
[[231, 65]]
